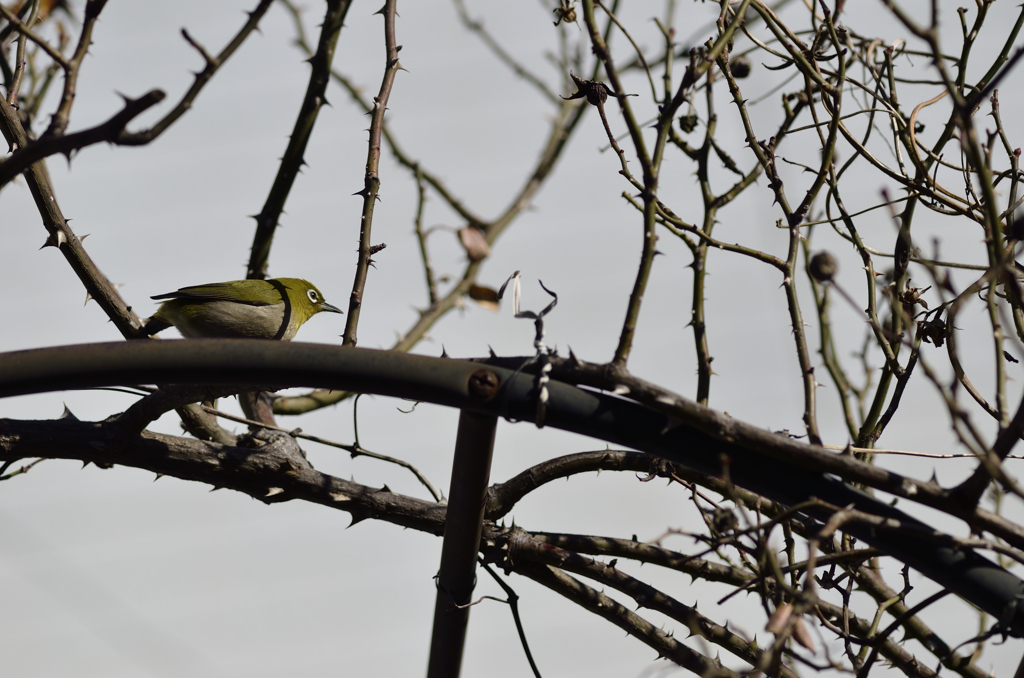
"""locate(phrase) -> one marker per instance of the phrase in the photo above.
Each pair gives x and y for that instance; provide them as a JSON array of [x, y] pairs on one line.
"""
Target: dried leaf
[[783, 618], [514, 279], [475, 243], [777, 622], [487, 297], [802, 634]]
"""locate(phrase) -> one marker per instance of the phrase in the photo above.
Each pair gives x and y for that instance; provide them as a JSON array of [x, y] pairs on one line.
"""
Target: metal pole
[[471, 471]]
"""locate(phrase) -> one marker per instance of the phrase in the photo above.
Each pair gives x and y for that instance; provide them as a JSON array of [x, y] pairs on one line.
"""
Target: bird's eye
[[313, 296]]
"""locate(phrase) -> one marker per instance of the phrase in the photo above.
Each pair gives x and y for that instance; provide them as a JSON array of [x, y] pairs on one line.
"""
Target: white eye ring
[[313, 296]]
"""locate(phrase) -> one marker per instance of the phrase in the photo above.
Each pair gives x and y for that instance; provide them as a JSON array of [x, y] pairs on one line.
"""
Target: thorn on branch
[[210, 61], [55, 239]]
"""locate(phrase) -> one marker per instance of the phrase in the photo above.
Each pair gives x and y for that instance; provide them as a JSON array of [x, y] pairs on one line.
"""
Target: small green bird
[[254, 309]]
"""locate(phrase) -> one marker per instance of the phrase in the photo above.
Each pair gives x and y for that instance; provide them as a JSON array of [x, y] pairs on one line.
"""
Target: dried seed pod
[[739, 67], [823, 266]]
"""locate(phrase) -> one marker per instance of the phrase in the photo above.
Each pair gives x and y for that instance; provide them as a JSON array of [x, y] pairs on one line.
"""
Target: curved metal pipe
[[497, 391]]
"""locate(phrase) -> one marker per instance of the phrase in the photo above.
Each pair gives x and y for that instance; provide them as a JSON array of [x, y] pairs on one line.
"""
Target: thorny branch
[[371, 177], [292, 160]]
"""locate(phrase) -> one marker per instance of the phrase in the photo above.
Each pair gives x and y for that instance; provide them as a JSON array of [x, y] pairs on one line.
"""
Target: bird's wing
[[255, 292]]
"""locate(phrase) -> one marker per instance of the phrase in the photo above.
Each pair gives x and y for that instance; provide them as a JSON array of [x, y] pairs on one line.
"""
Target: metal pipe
[[497, 391], [471, 472]]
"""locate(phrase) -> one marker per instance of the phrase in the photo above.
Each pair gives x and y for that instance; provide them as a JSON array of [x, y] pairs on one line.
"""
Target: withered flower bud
[[823, 266]]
